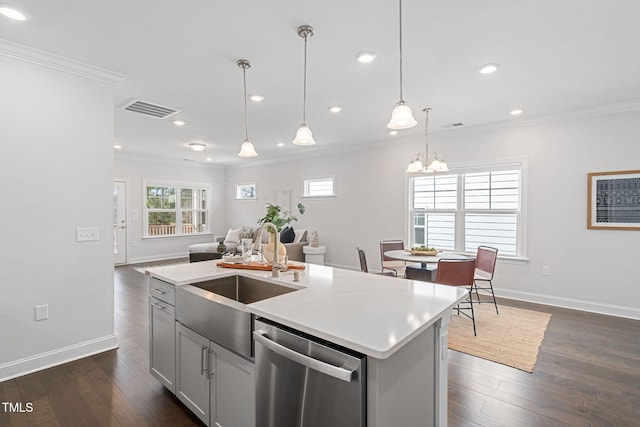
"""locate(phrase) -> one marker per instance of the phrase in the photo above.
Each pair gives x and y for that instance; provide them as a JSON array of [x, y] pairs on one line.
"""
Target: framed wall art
[[246, 191], [613, 200]]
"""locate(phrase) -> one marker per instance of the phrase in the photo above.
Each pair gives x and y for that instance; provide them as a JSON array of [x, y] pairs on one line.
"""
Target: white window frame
[[178, 185], [307, 181], [460, 170]]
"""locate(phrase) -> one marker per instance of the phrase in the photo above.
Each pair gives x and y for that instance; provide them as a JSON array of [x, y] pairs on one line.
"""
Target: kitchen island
[[399, 325]]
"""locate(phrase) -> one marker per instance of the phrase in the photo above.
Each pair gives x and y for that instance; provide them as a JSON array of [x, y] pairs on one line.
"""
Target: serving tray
[[257, 266]]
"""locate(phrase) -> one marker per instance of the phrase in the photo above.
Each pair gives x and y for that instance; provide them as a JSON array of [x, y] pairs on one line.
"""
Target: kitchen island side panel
[[401, 390]]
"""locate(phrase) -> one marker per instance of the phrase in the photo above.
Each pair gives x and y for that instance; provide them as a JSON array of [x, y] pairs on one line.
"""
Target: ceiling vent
[[453, 125], [149, 109]]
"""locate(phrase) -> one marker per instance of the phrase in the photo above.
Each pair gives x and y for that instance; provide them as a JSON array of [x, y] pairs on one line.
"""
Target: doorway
[[119, 222]]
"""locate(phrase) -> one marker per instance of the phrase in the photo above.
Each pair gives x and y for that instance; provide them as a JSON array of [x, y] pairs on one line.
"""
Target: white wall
[[56, 133], [134, 170], [590, 269]]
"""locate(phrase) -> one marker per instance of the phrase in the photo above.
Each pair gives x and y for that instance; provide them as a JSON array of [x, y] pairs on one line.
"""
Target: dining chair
[[455, 272], [363, 263], [396, 267], [485, 266]]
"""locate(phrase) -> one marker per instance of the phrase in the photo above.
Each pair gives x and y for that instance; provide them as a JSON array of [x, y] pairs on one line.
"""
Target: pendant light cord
[[246, 114], [426, 134], [304, 97], [401, 99]]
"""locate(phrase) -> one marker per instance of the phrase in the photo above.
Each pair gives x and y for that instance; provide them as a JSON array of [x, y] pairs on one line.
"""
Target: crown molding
[[56, 62], [539, 120]]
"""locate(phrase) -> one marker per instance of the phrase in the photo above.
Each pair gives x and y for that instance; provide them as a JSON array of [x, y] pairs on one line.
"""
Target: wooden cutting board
[[257, 266]]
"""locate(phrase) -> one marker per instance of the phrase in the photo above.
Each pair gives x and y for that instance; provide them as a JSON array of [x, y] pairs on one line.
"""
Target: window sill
[[176, 235]]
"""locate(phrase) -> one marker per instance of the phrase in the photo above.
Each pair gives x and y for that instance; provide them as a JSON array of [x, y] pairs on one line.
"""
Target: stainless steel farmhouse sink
[[216, 309]]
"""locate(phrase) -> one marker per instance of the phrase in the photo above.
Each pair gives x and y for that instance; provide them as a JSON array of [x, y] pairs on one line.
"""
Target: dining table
[[428, 263], [405, 255]]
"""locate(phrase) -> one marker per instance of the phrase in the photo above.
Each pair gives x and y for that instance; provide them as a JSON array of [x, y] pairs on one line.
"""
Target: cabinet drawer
[[162, 290]]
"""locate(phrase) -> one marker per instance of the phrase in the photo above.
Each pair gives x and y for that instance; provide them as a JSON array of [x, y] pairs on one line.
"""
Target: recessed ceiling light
[[12, 13], [488, 68], [366, 57], [179, 123], [117, 147], [256, 98], [280, 144], [209, 159], [197, 146], [335, 109], [516, 112], [393, 132]]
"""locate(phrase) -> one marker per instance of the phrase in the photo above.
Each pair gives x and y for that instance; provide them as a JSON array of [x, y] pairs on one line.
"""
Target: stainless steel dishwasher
[[302, 381]]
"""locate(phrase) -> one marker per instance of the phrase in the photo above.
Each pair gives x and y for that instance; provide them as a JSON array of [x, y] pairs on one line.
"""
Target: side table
[[314, 255]]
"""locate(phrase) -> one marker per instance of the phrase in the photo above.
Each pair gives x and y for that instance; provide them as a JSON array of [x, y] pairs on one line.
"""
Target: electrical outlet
[[87, 234], [546, 270], [42, 312]]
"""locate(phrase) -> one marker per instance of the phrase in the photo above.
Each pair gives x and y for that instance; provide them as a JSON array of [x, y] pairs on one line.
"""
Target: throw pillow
[[233, 236], [287, 235]]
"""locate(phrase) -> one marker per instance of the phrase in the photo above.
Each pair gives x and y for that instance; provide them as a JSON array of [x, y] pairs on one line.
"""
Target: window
[[461, 211], [175, 210], [318, 187]]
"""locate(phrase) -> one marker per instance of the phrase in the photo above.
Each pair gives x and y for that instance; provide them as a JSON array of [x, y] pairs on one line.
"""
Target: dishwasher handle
[[304, 360]]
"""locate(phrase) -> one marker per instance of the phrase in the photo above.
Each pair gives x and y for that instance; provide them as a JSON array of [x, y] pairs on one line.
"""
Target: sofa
[[232, 241]]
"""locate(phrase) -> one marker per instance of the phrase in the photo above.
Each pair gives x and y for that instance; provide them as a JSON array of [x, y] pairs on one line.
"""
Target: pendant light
[[247, 149], [423, 162], [303, 135], [401, 116]]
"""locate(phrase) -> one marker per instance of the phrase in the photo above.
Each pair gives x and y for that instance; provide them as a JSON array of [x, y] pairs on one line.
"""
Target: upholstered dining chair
[[396, 267], [456, 272], [485, 266]]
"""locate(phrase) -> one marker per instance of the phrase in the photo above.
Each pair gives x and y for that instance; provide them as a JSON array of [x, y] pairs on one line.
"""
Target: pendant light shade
[[303, 135], [423, 162], [401, 116], [247, 149]]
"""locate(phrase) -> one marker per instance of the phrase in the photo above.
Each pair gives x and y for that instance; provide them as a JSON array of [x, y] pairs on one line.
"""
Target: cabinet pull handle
[[160, 291], [161, 307], [203, 367]]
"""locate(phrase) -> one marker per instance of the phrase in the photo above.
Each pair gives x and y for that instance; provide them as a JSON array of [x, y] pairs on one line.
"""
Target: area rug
[[511, 338]]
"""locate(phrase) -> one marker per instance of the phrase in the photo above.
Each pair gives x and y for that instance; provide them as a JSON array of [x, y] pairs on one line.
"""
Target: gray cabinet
[[162, 334], [194, 366], [234, 395], [214, 383]]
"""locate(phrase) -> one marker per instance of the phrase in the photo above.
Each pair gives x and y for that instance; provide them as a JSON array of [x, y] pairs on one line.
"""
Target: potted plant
[[276, 216]]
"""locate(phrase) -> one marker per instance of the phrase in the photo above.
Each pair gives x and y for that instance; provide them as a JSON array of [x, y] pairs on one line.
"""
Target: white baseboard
[[575, 304], [140, 260], [52, 358]]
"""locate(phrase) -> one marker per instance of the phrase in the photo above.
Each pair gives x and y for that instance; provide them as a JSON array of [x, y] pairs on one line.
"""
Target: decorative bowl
[[425, 253]]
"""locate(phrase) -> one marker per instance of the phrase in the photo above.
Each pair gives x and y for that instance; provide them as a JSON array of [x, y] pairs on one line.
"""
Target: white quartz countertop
[[375, 315]]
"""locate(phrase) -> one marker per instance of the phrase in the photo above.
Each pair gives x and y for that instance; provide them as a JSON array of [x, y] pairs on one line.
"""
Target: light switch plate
[[87, 234]]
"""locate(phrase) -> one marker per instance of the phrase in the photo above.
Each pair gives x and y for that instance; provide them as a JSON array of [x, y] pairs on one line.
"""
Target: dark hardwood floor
[[587, 374]]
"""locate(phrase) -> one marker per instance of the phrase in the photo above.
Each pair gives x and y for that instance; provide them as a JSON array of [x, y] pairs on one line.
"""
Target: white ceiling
[[555, 56]]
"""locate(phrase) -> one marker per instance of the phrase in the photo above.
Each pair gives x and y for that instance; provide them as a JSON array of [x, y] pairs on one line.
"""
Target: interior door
[[119, 222]]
